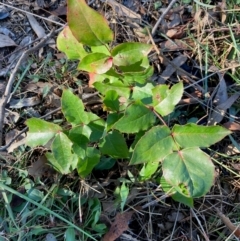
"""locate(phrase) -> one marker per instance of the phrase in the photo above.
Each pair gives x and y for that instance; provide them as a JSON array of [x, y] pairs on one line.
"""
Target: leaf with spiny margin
[[136, 117], [192, 135], [98, 63], [88, 26], [154, 146], [165, 99], [62, 158], [68, 44], [190, 171], [40, 132], [130, 53], [114, 145], [73, 108]]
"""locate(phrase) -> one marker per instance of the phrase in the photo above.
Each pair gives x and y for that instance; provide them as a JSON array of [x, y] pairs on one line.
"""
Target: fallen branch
[[5, 98]]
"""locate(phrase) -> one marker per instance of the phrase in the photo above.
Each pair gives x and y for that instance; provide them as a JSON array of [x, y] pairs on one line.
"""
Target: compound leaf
[[153, 146], [190, 171], [40, 132], [191, 135]]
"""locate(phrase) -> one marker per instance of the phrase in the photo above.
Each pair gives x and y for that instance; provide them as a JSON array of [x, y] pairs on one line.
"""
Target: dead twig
[[162, 16], [5, 98]]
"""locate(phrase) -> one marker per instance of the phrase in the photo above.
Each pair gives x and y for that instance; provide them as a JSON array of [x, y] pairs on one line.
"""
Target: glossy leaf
[[105, 163], [148, 170], [136, 117], [40, 132], [143, 93], [88, 26], [130, 53], [118, 86], [68, 44], [190, 171], [165, 100], [114, 145], [73, 108], [98, 63], [191, 135], [101, 49], [85, 167], [61, 157], [111, 100], [154, 146]]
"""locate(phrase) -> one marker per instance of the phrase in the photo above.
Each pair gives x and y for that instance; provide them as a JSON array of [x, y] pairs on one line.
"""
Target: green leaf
[[148, 170], [80, 137], [190, 171], [156, 144], [70, 234], [85, 167], [105, 163], [118, 86], [61, 157], [130, 53], [122, 194], [112, 118], [165, 100], [68, 44], [143, 93], [136, 117], [98, 63], [100, 49], [168, 189], [191, 135], [73, 108], [88, 26], [97, 126], [138, 77], [40, 132], [114, 145], [111, 100]]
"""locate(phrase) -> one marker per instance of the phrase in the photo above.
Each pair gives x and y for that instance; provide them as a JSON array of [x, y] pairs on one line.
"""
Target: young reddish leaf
[[40, 132], [190, 171], [130, 53], [114, 145], [88, 26], [136, 117], [192, 135], [68, 44], [165, 99], [153, 146], [98, 63], [73, 108]]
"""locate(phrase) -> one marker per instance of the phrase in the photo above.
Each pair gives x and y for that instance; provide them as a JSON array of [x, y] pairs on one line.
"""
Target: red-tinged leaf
[[98, 63], [88, 26], [68, 44]]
